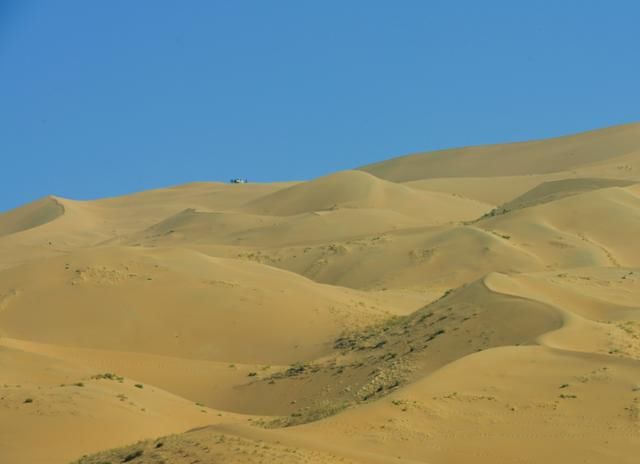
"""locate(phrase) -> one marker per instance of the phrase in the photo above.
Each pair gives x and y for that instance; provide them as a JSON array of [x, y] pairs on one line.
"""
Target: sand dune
[[476, 304], [595, 227], [191, 227], [29, 216], [176, 302], [416, 258], [503, 405], [526, 158], [356, 189], [74, 410], [556, 190]]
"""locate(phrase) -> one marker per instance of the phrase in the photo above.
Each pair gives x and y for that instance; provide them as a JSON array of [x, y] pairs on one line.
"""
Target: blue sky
[[100, 98]]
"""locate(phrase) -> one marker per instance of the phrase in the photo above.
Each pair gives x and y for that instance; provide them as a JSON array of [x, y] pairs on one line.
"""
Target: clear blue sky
[[99, 98]]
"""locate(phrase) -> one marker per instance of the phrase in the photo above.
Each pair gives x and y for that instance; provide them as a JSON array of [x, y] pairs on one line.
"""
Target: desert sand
[[476, 305]]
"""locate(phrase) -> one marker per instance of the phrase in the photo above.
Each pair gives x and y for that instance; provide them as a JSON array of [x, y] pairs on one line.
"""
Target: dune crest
[[32, 215]]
